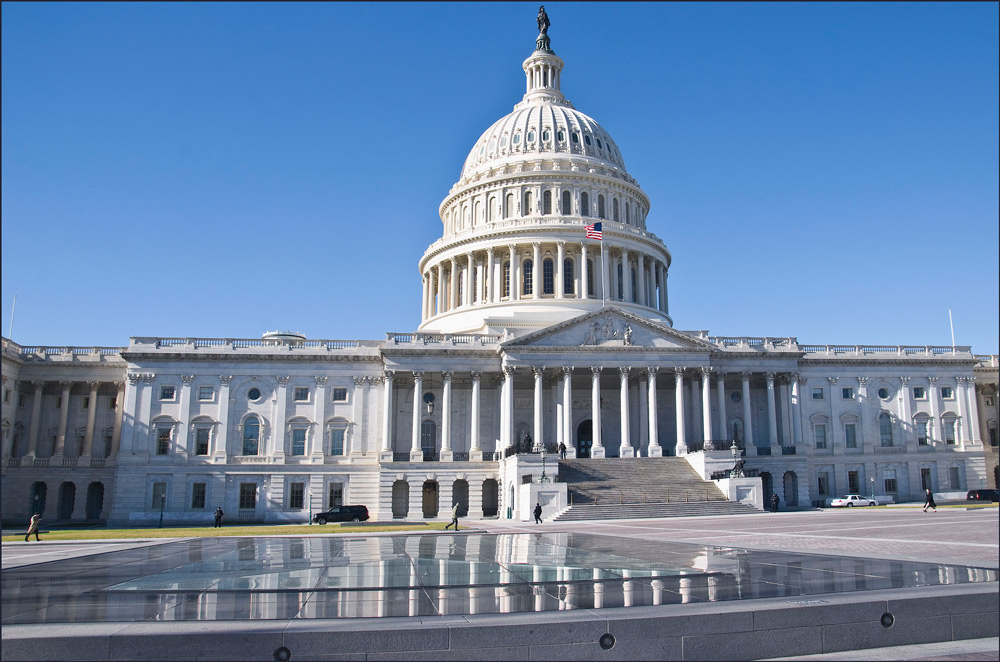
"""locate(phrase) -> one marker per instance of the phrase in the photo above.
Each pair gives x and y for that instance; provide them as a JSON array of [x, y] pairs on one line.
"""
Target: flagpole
[[604, 277]]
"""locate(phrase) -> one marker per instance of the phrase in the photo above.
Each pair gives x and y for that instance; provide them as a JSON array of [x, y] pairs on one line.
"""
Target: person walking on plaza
[[218, 517], [562, 451], [774, 503], [454, 517], [538, 513], [33, 527], [929, 500]]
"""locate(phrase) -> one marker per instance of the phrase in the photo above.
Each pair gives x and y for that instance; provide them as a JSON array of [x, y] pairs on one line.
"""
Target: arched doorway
[[95, 501], [767, 485], [39, 492], [791, 485], [584, 438], [460, 495], [491, 497], [430, 498], [400, 499], [67, 499]]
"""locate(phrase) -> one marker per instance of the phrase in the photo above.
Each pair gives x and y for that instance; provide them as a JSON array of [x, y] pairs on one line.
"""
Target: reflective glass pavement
[[427, 575]]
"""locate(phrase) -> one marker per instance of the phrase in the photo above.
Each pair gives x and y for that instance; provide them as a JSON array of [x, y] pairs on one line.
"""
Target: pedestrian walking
[[774, 503], [36, 519], [218, 517], [454, 517], [929, 500], [538, 513], [562, 451]]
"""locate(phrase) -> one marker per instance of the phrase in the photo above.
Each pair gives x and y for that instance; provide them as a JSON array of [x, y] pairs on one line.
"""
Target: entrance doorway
[[584, 438], [430, 498]]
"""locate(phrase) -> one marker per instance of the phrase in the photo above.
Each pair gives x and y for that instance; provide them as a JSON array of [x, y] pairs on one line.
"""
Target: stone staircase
[[622, 488]]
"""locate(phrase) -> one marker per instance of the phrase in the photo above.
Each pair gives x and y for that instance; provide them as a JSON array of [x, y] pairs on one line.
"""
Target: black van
[[342, 514], [983, 495]]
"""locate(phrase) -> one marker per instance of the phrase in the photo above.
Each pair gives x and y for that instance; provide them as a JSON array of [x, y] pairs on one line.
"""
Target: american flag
[[594, 232]]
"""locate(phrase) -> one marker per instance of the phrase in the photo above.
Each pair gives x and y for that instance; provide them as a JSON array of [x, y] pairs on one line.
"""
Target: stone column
[[627, 277], [425, 294], [183, 433], [221, 439], [556, 410], [863, 399], [722, 432], [654, 449], [467, 290], [441, 304], [446, 452], [560, 259], [905, 419], [416, 453], [453, 284], [747, 412], [962, 433], [625, 450], [36, 420], [88, 436], [935, 432], [480, 283], [796, 410], [515, 274], [354, 438], [567, 422], [640, 275], [679, 405], [975, 433], [536, 284], [666, 299], [597, 450], [60, 448], [835, 423], [584, 272], [506, 423], [772, 415], [706, 406], [538, 433], [386, 452], [475, 453]]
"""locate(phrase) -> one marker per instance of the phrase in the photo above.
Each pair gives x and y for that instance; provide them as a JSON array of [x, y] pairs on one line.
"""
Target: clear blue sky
[[823, 171]]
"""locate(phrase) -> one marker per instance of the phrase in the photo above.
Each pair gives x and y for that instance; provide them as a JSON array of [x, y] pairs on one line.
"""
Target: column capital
[[133, 379], [476, 375], [67, 385], [745, 375], [446, 375], [794, 377], [282, 380], [321, 381], [187, 379], [489, 251], [596, 369], [94, 385], [120, 386], [706, 371], [538, 370], [536, 245], [508, 370], [862, 381], [388, 375], [561, 245], [679, 370], [567, 371], [624, 370], [832, 380], [770, 379], [418, 374], [932, 380], [904, 381]]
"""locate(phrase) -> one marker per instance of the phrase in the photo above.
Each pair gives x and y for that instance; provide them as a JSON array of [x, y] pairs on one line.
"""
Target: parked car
[[983, 495], [851, 500], [342, 514]]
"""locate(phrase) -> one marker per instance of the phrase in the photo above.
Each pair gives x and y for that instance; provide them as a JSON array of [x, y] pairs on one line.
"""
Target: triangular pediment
[[610, 327]]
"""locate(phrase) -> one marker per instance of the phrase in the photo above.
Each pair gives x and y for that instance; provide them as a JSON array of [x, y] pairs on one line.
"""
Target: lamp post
[[873, 487], [163, 499], [544, 478], [36, 504]]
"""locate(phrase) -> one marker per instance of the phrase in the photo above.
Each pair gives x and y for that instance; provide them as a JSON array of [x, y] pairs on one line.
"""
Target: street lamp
[[544, 478], [873, 487]]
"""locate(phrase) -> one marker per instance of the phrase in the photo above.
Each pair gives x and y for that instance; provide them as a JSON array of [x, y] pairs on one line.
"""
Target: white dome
[[542, 129]]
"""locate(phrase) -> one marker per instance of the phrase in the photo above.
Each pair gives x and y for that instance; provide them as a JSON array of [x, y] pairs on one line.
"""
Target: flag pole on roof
[[594, 231]]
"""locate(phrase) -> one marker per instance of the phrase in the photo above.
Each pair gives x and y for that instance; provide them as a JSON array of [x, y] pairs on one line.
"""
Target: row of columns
[[442, 293]]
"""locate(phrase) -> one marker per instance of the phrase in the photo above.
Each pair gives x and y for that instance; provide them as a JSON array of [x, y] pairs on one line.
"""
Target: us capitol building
[[545, 320]]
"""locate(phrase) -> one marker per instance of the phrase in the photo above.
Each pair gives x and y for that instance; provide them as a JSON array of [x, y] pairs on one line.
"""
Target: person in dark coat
[[218, 517], [36, 519], [562, 450], [929, 500], [774, 503], [538, 513]]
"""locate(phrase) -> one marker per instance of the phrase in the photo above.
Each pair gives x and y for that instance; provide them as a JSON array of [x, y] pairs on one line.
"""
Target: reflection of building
[[534, 324]]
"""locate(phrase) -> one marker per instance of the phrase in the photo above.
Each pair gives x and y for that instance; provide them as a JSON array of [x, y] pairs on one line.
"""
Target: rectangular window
[[988, 400], [201, 441], [853, 482], [198, 496], [818, 393], [111, 403], [206, 392], [336, 494], [20, 400], [248, 495], [949, 432], [85, 402], [851, 435], [925, 479], [921, 433], [167, 392], [953, 478], [847, 393], [58, 402], [820, 432], [337, 441], [6, 395], [919, 393], [340, 395], [823, 482], [889, 478], [159, 495], [162, 441], [947, 393], [298, 441], [296, 496], [301, 394]]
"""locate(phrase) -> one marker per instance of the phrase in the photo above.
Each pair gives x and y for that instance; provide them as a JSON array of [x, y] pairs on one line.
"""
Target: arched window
[[584, 204], [506, 279], [527, 204], [567, 203], [590, 277], [568, 279], [621, 287], [634, 288], [885, 428], [600, 206], [547, 202], [614, 208], [491, 208], [509, 207], [627, 219], [251, 436], [548, 276], [461, 286], [477, 217], [526, 277]]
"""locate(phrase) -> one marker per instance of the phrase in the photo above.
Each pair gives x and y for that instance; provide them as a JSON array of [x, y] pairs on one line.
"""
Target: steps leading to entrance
[[618, 488]]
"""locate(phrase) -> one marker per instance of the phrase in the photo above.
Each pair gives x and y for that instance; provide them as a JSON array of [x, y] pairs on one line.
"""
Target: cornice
[[545, 176], [238, 357], [923, 361]]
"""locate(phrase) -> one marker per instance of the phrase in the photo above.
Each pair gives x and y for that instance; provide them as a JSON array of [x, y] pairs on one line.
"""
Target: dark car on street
[[983, 495], [342, 514]]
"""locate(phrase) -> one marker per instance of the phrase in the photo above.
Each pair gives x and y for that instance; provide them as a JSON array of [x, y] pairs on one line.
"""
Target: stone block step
[[639, 511]]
